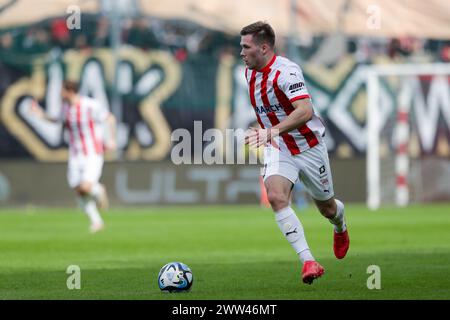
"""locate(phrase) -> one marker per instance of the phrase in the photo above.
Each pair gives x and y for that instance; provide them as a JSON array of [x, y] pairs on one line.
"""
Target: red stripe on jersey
[[252, 88], [310, 137], [303, 96], [69, 127], [252, 96], [281, 97], [246, 69], [98, 147], [287, 138], [80, 131], [264, 98]]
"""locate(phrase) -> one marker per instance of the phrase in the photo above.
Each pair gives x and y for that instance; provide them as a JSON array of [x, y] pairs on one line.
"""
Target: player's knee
[[278, 200], [79, 192], [84, 188]]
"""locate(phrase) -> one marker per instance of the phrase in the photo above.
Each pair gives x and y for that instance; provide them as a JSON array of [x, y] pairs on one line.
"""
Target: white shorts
[[84, 169], [311, 166]]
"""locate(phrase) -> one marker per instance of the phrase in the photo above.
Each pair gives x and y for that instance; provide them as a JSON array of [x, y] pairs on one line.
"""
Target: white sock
[[292, 229], [96, 190], [306, 255], [88, 205], [339, 219]]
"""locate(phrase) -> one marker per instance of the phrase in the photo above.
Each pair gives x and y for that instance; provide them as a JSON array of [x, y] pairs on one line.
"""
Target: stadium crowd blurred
[[181, 37], [184, 38]]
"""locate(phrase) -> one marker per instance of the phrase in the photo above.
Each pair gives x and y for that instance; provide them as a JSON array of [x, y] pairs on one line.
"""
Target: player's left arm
[[106, 118], [111, 144]]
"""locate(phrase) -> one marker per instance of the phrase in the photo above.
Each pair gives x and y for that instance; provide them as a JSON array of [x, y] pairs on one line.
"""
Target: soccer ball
[[175, 277]]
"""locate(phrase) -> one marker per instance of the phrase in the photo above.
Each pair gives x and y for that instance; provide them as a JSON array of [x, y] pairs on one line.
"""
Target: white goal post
[[401, 130]]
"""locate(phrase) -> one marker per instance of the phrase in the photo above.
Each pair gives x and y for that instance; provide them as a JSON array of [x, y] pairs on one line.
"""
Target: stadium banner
[[31, 183], [159, 91]]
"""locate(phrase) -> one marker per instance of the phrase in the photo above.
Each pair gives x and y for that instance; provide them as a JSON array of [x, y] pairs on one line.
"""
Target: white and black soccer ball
[[175, 277]]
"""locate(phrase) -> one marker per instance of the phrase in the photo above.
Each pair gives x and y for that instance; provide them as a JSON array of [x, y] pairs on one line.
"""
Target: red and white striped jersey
[[272, 91], [84, 121]]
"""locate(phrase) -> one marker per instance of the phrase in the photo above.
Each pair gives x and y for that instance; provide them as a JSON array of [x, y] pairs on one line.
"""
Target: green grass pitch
[[235, 252]]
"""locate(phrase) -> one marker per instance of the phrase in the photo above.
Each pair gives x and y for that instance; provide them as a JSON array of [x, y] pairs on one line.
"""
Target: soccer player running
[[293, 138], [84, 118]]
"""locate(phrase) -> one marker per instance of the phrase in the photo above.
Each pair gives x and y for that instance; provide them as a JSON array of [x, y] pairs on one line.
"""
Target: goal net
[[408, 134]]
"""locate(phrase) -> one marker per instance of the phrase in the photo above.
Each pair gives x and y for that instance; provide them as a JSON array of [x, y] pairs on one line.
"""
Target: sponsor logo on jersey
[[296, 87], [267, 109], [322, 169]]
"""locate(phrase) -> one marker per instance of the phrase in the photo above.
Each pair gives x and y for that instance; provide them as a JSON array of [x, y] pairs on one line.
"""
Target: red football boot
[[311, 270], [341, 244]]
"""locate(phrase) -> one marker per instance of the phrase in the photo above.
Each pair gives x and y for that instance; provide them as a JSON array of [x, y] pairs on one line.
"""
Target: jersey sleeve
[[292, 83], [99, 112]]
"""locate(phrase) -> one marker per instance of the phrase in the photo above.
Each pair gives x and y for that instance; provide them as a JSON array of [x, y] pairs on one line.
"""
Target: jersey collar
[[267, 67]]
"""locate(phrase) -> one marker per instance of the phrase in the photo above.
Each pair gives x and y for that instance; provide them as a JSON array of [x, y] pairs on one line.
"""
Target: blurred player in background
[[84, 119], [293, 136]]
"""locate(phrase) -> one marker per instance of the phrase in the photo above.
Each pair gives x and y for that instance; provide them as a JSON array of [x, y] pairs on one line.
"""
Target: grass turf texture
[[235, 252]]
